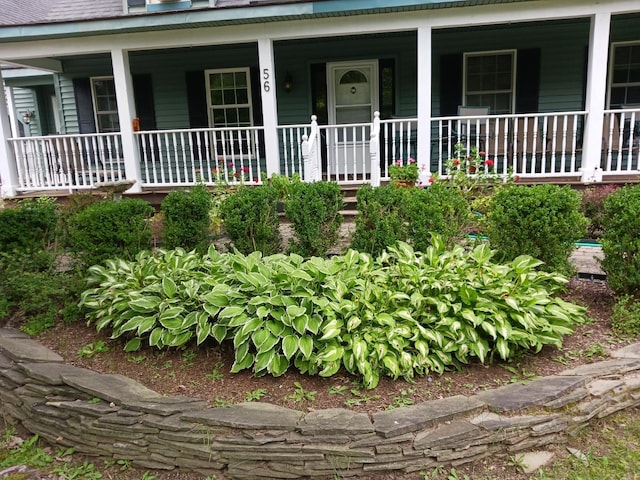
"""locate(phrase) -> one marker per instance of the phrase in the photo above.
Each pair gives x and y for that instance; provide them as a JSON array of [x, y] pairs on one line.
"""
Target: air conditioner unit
[[167, 5]]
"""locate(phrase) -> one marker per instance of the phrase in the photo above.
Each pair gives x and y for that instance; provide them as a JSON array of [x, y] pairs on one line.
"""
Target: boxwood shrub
[[543, 221], [621, 240], [29, 226], [314, 212], [388, 214], [251, 219], [109, 229], [186, 218]]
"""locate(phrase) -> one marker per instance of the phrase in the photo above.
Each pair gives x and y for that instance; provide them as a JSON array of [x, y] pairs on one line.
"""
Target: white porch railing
[[621, 141], [208, 155], [65, 162], [539, 145]]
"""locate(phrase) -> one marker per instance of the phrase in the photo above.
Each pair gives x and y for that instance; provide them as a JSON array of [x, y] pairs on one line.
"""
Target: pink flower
[[399, 162], [230, 164], [482, 154], [245, 169], [412, 160]]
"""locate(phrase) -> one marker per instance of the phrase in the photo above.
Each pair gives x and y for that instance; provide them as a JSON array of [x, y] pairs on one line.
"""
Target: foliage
[[284, 185], [35, 292], [186, 218], [626, 316], [314, 212], [387, 214], [543, 221], [74, 204], [110, 229], [28, 453], [436, 209], [592, 207], [251, 219], [407, 172], [621, 242], [472, 172], [401, 315], [29, 226]]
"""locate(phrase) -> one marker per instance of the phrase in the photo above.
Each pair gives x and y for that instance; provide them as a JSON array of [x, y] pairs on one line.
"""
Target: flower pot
[[404, 183]]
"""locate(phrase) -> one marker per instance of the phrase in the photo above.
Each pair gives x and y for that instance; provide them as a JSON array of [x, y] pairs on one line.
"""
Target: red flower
[[488, 162], [456, 162], [256, 180], [230, 164], [235, 174], [432, 179], [245, 169], [214, 171], [472, 168], [516, 178]]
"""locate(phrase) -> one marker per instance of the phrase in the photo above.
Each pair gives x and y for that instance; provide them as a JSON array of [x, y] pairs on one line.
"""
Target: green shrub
[[35, 293], [251, 219], [621, 240], [109, 229], [402, 314], [625, 319], [543, 221], [437, 209], [29, 226], [74, 204], [593, 207], [186, 218], [389, 214], [380, 222], [314, 212]]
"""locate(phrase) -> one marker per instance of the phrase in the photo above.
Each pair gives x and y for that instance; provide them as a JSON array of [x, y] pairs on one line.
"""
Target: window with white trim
[[625, 75], [229, 97], [105, 107], [489, 80]]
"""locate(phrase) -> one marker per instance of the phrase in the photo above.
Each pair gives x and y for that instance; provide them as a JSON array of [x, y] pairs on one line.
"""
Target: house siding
[[562, 45], [25, 99]]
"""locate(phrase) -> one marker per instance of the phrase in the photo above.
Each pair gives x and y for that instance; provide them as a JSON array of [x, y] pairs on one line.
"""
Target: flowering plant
[[473, 171], [407, 172]]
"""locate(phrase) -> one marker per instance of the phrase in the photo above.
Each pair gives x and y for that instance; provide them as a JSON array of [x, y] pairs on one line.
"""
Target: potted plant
[[404, 174]]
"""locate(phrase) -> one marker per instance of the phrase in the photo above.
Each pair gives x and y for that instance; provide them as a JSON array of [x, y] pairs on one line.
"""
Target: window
[[625, 75], [105, 107], [229, 97], [489, 79]]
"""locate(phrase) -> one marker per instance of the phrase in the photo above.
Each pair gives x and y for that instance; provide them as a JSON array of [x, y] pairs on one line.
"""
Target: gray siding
[[25, 99]]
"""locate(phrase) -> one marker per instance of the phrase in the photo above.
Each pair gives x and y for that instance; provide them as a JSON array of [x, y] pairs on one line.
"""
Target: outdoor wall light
[[288, 82], [28, 116]]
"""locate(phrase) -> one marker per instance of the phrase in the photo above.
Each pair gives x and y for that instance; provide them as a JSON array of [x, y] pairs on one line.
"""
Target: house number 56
[[265, 80]]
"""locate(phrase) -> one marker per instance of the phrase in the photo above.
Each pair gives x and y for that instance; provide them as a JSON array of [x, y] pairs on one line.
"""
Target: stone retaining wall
[[112, 416]]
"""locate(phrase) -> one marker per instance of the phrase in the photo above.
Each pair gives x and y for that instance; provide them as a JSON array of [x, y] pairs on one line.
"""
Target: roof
[[30, 12]]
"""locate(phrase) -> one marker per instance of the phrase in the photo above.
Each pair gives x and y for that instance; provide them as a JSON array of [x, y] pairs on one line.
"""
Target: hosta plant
[[402, 314]]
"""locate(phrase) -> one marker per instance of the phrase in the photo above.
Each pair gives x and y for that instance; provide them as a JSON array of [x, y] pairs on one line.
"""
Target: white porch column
[[126, 114], [269, 105], [424, 97], [596, 95], [8, 170]]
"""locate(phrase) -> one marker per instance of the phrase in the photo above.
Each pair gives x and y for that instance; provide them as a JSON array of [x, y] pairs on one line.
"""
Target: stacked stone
[[114, 417]]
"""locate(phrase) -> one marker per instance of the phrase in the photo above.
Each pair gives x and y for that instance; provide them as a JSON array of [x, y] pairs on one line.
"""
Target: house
[[171, 92]]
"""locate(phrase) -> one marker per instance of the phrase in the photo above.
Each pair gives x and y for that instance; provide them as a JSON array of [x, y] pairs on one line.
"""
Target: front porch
[[535, 147]]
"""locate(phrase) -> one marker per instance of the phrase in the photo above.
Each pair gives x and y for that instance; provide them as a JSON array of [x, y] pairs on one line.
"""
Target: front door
[[352, 98]]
